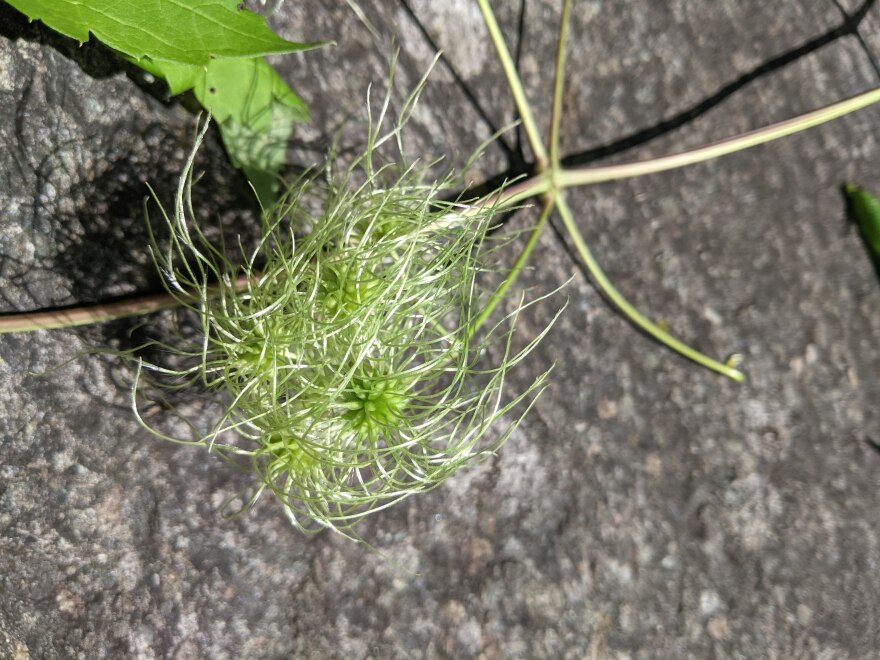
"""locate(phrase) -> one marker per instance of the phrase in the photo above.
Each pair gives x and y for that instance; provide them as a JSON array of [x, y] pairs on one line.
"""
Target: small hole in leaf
[[212, 90], [241, 6]]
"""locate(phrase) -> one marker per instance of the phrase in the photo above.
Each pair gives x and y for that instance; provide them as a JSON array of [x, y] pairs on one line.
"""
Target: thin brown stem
[[69, 317], [50, 319]]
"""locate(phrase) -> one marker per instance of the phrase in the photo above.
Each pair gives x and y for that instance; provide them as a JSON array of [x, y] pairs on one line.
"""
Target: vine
[[351, 344]]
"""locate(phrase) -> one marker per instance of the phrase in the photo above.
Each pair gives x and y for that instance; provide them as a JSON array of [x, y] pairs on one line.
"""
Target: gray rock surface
[[645, 509]]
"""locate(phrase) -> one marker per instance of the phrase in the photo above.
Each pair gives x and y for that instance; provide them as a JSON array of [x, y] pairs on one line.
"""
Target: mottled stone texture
[[646, 508]]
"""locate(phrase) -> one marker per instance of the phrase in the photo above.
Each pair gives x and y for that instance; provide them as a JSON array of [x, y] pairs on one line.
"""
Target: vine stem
[[69, 317], [583, 176], [558, 88], [605, 285], [516, 87], [589, 175], [539, 184], [517, 268]]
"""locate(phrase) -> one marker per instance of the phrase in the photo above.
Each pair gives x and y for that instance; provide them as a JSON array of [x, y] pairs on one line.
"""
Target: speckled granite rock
[[646, 509]]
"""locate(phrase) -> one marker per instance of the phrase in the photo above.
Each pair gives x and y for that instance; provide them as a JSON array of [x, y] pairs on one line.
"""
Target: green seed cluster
[[347, 359]]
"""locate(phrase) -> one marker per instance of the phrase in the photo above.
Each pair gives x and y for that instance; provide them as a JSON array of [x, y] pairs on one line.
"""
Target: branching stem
[[537, 185], [582, 176]]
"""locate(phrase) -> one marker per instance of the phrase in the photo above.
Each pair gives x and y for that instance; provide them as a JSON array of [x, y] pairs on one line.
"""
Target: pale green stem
[[513, 81], [582, 176], [588, 175], [606, 287], [515, 270], [558, 87]]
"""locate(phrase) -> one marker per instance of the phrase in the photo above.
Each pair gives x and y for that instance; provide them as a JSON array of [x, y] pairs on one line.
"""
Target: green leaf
[[866, 209], [242, 89], [185, 31], [211, 47], [255, 109], [180, 77], [260, 154]]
